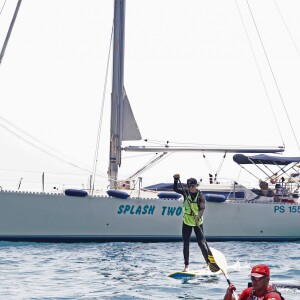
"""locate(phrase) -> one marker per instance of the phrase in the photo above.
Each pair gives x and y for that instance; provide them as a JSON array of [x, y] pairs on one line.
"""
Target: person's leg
[[186, 235], [201, 242], [204, 249]]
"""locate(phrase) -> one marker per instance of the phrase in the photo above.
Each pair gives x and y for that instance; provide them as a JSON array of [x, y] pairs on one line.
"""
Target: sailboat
[[123, 214]]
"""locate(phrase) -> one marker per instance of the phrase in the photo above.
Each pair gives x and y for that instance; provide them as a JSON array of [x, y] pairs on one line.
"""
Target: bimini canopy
[[264, 159]]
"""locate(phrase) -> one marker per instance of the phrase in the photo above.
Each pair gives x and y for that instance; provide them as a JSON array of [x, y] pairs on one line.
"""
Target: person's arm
[[175, 186], [229, 292], [273, 296], [201, 205]]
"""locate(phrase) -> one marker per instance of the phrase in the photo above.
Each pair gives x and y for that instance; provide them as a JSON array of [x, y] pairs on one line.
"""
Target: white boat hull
[[57, 217]]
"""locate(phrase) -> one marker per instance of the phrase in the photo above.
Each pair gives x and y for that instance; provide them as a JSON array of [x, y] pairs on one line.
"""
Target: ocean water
[[136, 270]]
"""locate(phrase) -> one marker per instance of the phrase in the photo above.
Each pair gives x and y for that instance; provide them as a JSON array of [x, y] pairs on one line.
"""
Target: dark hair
[[263, 185]]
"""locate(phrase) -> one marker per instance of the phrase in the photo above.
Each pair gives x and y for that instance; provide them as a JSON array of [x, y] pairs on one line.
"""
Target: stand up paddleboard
[[183, 275], [192, 274]]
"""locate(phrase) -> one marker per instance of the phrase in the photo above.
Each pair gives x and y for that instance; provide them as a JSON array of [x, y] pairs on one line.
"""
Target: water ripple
[[135, 270]]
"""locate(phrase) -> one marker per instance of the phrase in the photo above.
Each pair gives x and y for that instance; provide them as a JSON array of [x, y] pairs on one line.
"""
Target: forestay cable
[[259, 71], [2, 7], [34, 143], [10, 30], [287, 28], [101, 114], [273, 75]]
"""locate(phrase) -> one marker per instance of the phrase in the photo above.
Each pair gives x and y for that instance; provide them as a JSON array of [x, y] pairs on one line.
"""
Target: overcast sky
[[190, 76]]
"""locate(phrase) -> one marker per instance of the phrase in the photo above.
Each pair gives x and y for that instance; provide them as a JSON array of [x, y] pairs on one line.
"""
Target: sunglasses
[[257, 278], [192, 185]]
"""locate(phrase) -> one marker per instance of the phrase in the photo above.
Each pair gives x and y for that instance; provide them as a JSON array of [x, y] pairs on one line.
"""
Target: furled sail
[[130, 130]]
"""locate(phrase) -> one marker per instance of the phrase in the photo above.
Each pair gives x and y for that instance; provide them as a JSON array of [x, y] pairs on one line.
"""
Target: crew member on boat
[[264, 188], [193, 209]]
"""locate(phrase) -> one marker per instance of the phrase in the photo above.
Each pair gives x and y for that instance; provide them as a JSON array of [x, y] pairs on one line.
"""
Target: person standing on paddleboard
[[193, 209], [260, 290]]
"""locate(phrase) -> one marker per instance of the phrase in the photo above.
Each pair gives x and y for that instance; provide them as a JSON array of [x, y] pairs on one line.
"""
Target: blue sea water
[[135, 270]]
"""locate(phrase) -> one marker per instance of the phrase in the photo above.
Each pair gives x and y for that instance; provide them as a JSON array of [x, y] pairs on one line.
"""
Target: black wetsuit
[[187, 229]]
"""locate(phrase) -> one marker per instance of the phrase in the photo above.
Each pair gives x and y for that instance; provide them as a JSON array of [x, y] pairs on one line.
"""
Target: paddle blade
[[220, 259]]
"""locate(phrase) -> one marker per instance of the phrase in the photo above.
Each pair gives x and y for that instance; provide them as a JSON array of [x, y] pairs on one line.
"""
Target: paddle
[[220, 260], [210, 255]]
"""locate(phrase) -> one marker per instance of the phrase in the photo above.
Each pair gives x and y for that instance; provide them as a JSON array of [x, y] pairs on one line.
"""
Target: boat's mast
[[117, 96]]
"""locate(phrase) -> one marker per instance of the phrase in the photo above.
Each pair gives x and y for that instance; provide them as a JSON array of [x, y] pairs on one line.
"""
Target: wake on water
[[204, 275]]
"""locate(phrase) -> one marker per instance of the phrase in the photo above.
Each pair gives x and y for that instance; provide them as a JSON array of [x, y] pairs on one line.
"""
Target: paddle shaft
[[229, 283]]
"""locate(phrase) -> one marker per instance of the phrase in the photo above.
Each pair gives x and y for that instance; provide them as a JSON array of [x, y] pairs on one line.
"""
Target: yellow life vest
[[188, 215]]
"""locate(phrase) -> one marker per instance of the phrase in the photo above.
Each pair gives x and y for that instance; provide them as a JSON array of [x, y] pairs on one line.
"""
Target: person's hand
[[176, 176], [230, 289], [197, 219]]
